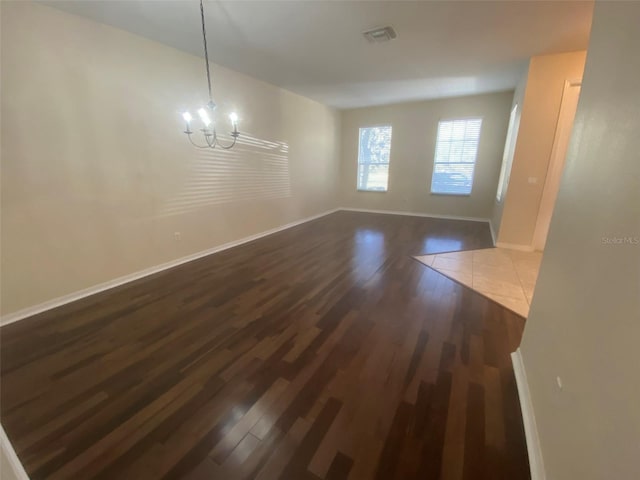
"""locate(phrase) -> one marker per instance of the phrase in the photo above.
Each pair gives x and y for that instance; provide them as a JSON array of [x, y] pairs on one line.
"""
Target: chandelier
[[207, 114]]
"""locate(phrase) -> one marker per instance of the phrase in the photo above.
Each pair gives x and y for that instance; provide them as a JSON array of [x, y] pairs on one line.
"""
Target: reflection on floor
[[507, 277]]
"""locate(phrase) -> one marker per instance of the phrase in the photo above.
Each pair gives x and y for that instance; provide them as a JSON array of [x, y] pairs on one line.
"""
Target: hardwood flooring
[[323, 351]]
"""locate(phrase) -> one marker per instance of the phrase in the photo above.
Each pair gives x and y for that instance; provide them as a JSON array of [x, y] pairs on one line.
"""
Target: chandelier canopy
[[207, 112]]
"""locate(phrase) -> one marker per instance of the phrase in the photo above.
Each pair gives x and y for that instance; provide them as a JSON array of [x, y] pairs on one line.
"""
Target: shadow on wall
[[255, 169]]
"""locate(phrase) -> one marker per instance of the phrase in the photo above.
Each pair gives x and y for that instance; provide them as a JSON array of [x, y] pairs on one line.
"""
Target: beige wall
[[97, 175], [518, 99], [584, 324], [543, 94], [414, 132]]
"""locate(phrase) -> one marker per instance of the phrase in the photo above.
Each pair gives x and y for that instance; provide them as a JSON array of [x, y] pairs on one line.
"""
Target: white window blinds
[[507, 157], [455, 156], [374, 148]]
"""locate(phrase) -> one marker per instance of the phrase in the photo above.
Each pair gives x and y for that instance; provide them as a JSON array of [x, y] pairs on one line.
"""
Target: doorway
[[568, 107]]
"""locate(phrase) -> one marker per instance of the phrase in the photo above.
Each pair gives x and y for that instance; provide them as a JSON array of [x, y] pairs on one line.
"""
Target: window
[[455, 156], [373, 158], [507, 157]]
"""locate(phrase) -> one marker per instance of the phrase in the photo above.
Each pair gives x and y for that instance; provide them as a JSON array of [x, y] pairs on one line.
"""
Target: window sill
[[450, 194], [371, 191]]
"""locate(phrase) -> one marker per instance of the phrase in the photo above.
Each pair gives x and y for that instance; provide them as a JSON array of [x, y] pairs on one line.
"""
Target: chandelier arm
[[206, 52], [196, 145], [227, 147]]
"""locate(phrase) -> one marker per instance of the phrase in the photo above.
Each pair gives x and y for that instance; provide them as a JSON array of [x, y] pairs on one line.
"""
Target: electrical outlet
[[177, 235]]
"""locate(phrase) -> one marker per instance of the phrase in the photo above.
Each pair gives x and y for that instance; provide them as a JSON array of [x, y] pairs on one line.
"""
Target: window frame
[[474, 163], [358, 189]]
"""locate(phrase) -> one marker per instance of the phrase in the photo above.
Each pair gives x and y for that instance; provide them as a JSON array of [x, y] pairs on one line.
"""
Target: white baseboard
[[536, 462], [10, 454], [415, 214], [515, 246], [72, 297]]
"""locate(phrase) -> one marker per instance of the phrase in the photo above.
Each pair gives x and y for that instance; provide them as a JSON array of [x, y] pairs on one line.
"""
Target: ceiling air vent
[[380, 34]]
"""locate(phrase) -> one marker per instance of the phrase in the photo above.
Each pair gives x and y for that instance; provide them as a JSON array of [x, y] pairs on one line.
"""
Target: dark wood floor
[[324, 351]]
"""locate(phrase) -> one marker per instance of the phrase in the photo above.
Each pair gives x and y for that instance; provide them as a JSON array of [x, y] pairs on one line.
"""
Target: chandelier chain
[[206, 52]]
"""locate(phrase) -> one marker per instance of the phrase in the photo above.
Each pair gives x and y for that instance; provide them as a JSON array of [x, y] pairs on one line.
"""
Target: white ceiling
[[315, 48]]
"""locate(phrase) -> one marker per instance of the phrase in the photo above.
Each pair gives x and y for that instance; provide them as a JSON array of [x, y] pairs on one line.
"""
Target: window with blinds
[[455, 156], [507, 158], [374, 148]]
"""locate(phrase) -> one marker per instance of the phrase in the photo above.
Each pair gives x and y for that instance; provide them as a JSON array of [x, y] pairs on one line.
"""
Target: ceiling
[[315, 48]]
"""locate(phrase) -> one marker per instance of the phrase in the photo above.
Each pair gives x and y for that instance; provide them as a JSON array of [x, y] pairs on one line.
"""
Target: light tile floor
[[507, 277]]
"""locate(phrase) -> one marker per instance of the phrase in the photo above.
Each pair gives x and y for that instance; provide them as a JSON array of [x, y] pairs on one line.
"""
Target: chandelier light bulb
[[234, 118], [204, 116], [187, 117]]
